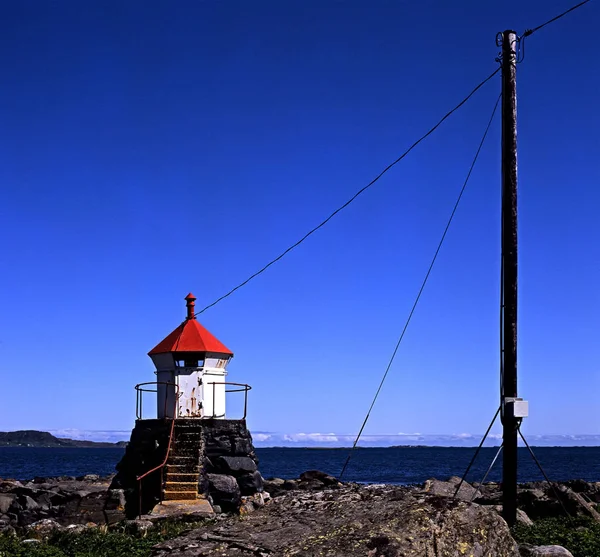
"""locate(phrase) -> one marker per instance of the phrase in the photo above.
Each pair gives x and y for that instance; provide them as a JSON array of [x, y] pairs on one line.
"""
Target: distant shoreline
[[42, 439]]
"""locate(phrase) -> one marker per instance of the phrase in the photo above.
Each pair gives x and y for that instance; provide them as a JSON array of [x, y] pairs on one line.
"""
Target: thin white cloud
[[303, 439], [107, 436]]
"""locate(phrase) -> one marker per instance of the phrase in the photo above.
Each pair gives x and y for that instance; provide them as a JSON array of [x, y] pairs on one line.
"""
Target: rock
[[30, 541], [311, 485], [447, 489], [246, 506], [352, 521], [224, 490], [522, 517], [274, 486], [28, 503], [6, 500], [88, 478], [9, 485], [235, 465], [44, 527], [290, 485], [250, 483], [527, 550], [591, 490], [138, 526], [115, 499], [576, 504], [76, 528], [326, 479]]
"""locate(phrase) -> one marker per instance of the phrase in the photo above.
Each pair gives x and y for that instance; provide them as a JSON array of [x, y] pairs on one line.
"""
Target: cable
[[542, 471], [487, 472], [323, 223], [532, 31], [476, 452], [437, 251]]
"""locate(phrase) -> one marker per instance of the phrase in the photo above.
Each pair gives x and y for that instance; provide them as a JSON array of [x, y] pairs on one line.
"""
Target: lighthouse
[[191, 365], [191, 455]]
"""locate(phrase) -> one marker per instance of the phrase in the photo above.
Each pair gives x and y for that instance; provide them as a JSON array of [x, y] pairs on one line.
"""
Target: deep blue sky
[[149, 149]]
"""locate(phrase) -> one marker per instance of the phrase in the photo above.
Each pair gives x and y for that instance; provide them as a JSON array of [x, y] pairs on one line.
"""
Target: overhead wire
[[414, 306], [529, 32], [359, 192]]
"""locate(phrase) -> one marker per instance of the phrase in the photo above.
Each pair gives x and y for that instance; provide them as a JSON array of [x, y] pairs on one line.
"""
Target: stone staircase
[[182, 471]]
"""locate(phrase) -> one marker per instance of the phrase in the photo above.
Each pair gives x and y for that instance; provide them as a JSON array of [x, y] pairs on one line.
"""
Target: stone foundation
[[220, 452]]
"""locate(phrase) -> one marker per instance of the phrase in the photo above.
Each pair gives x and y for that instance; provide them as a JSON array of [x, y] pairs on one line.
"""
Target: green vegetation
[[581, 536], [93, 542]]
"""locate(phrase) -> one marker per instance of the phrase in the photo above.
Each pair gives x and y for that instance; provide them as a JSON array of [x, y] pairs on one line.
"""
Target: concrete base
[[201, 452], [200, 508]]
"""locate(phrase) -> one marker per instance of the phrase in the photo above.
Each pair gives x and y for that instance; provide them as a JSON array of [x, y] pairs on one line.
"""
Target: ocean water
[[404, 465]]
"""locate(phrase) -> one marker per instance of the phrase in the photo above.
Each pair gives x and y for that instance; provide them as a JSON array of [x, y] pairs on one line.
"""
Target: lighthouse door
[[189, 405]]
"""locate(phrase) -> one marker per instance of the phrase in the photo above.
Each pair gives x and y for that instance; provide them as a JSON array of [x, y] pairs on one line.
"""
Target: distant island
[[32, 438]]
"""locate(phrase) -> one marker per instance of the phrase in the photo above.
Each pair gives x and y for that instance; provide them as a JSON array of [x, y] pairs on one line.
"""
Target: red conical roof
[[190, 336]]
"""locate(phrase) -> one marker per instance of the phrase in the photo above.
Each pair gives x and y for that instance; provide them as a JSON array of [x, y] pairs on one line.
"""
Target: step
[[199, 508], [183, 469], [185, 477], [180, 467], [181, 460], [180, 495], [186, 434], [188, 451], [185, 447], [181, 486]]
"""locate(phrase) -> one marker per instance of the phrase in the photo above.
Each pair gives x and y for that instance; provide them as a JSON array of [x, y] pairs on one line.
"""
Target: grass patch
[[581, 536], [94, 542]]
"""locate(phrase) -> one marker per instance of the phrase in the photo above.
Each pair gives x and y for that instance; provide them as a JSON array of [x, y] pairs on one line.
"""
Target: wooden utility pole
[[509, 395]]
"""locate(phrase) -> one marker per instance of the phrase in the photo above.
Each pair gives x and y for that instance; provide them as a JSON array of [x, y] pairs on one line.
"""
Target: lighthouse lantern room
[[191, 365]]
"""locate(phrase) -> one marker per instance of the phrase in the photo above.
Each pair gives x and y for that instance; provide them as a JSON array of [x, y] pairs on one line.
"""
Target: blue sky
[[150, 149]]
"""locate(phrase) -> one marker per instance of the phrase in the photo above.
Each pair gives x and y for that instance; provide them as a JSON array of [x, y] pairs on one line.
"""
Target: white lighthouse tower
[[191, 365]]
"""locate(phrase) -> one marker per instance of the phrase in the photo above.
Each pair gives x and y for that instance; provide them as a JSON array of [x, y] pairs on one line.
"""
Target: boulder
[[447, 489], [235, 465], [290, 485], [527, 550], [138, 526], [224, 491], [274, 486], [576, 504], [88, 478], [353, 521], [6, 500], [310, 485], [44, 527], [323, 477], [251, 483], [28, 503]]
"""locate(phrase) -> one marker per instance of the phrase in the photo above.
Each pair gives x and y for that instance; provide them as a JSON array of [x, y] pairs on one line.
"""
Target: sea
[[393, 465]]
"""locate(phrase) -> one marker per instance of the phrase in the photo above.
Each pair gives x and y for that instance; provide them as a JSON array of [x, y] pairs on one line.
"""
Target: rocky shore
[[314, 515]]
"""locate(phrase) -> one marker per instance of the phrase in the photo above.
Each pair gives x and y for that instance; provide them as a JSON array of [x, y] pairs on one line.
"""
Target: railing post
[[245, 400], [214, 414]]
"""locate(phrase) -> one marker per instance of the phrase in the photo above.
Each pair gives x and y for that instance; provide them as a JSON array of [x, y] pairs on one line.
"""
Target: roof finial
[[191, 303]]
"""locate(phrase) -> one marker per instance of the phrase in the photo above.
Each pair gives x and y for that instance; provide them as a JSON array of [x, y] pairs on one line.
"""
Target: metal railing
[[161, 466], [139, 398], [243, 388]]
